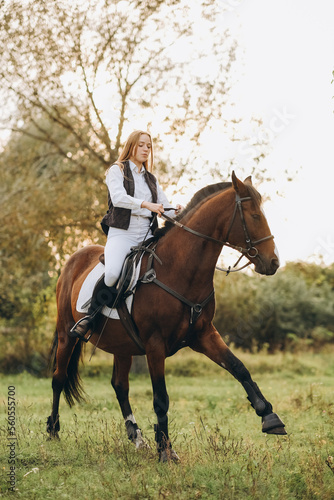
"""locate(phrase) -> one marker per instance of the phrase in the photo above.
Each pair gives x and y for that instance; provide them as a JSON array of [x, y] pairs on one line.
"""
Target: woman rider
[[134, 195]]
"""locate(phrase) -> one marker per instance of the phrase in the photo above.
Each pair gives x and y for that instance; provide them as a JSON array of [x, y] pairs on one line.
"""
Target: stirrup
[[81, 335]]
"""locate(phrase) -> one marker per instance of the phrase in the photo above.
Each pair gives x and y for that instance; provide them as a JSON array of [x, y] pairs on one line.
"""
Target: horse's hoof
[[168, 455], [272, 424], [52, 428], [140, 442]]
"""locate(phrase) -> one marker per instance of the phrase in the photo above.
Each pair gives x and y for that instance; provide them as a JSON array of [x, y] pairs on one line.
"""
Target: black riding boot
[[102, 295]]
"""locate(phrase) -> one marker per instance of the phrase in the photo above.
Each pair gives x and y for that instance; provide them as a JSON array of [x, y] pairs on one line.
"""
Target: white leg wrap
[[130, 418], [139, 440]]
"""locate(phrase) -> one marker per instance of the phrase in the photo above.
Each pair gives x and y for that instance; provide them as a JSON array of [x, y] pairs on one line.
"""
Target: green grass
[[214, 430]]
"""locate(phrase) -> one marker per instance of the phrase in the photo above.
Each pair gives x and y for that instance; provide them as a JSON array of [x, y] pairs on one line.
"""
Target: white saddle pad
[[87, 288]]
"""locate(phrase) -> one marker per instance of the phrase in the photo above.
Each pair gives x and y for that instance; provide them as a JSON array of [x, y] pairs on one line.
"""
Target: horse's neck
[[192, 258]]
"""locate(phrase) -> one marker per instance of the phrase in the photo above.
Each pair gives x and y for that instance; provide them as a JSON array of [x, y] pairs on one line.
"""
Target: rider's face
[[142, 150]]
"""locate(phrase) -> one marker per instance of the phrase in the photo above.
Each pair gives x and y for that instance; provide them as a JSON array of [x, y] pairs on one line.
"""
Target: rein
[[250, 251]]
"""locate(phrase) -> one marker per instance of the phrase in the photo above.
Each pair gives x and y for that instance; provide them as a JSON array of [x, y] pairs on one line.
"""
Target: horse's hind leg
[[212, 345], [63, 350], [120, 383]]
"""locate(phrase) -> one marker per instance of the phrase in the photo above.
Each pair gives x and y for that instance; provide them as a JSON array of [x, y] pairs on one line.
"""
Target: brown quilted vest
[[120, 217]]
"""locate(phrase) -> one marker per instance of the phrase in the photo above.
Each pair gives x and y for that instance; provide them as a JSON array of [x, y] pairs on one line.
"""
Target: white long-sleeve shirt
[[120, 198]]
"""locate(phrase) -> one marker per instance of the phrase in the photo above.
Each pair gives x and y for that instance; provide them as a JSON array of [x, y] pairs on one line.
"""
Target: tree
[[75, 77], [75, 74], [60, 56]]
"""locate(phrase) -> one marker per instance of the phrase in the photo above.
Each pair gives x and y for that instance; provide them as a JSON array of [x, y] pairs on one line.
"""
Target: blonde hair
[[129, 149]]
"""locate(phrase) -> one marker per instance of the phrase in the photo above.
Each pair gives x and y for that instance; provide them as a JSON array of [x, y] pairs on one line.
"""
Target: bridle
[[250, 251]]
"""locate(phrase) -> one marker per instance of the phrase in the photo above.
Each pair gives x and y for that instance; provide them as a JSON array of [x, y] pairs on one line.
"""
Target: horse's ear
[[237, 184], [248, 180]]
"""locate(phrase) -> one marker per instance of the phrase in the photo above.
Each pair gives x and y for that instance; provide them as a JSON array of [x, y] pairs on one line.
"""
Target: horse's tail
[[73, 390]]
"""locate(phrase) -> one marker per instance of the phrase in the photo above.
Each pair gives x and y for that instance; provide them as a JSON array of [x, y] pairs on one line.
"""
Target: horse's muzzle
[[266, 266]]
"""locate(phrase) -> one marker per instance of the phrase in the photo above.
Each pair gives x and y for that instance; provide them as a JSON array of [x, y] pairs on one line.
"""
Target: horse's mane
[[203, 195]]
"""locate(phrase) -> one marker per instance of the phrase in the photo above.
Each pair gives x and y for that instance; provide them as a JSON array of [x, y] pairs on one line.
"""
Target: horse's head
[[249, 228]]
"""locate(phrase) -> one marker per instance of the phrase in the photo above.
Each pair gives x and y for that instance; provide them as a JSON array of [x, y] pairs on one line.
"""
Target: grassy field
[[214, 430]]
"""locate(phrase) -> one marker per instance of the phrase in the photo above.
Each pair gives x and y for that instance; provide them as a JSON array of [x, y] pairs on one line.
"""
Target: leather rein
[[249, 251]]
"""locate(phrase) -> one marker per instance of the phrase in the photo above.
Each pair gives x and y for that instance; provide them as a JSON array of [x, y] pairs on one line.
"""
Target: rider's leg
[[117, 247], [119, 244]]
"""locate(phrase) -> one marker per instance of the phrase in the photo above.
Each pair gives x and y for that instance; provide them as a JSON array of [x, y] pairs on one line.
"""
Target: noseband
[[249, 251]]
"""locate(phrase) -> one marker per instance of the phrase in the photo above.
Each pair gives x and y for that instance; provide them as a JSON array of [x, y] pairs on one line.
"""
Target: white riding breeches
[[119, 243]]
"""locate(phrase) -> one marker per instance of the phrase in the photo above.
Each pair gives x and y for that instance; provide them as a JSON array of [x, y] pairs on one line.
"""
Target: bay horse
[[227, 213]]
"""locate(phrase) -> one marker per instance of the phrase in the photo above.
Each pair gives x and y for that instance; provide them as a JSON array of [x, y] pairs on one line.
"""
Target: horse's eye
[[256, 216]]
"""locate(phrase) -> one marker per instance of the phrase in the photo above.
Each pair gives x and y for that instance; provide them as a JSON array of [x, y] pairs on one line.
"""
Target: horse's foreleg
[[212, 345], [156, 366], [120, 383]]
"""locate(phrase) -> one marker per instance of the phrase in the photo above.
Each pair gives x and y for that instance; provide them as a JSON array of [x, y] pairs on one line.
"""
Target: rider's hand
[[153, 207], [178, 208]]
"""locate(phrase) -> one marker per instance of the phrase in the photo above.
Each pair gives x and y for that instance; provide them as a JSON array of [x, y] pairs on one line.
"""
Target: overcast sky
[[286, 72]]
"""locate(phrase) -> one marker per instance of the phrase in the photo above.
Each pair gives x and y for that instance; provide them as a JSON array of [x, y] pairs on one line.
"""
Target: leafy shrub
[[294, 308]]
